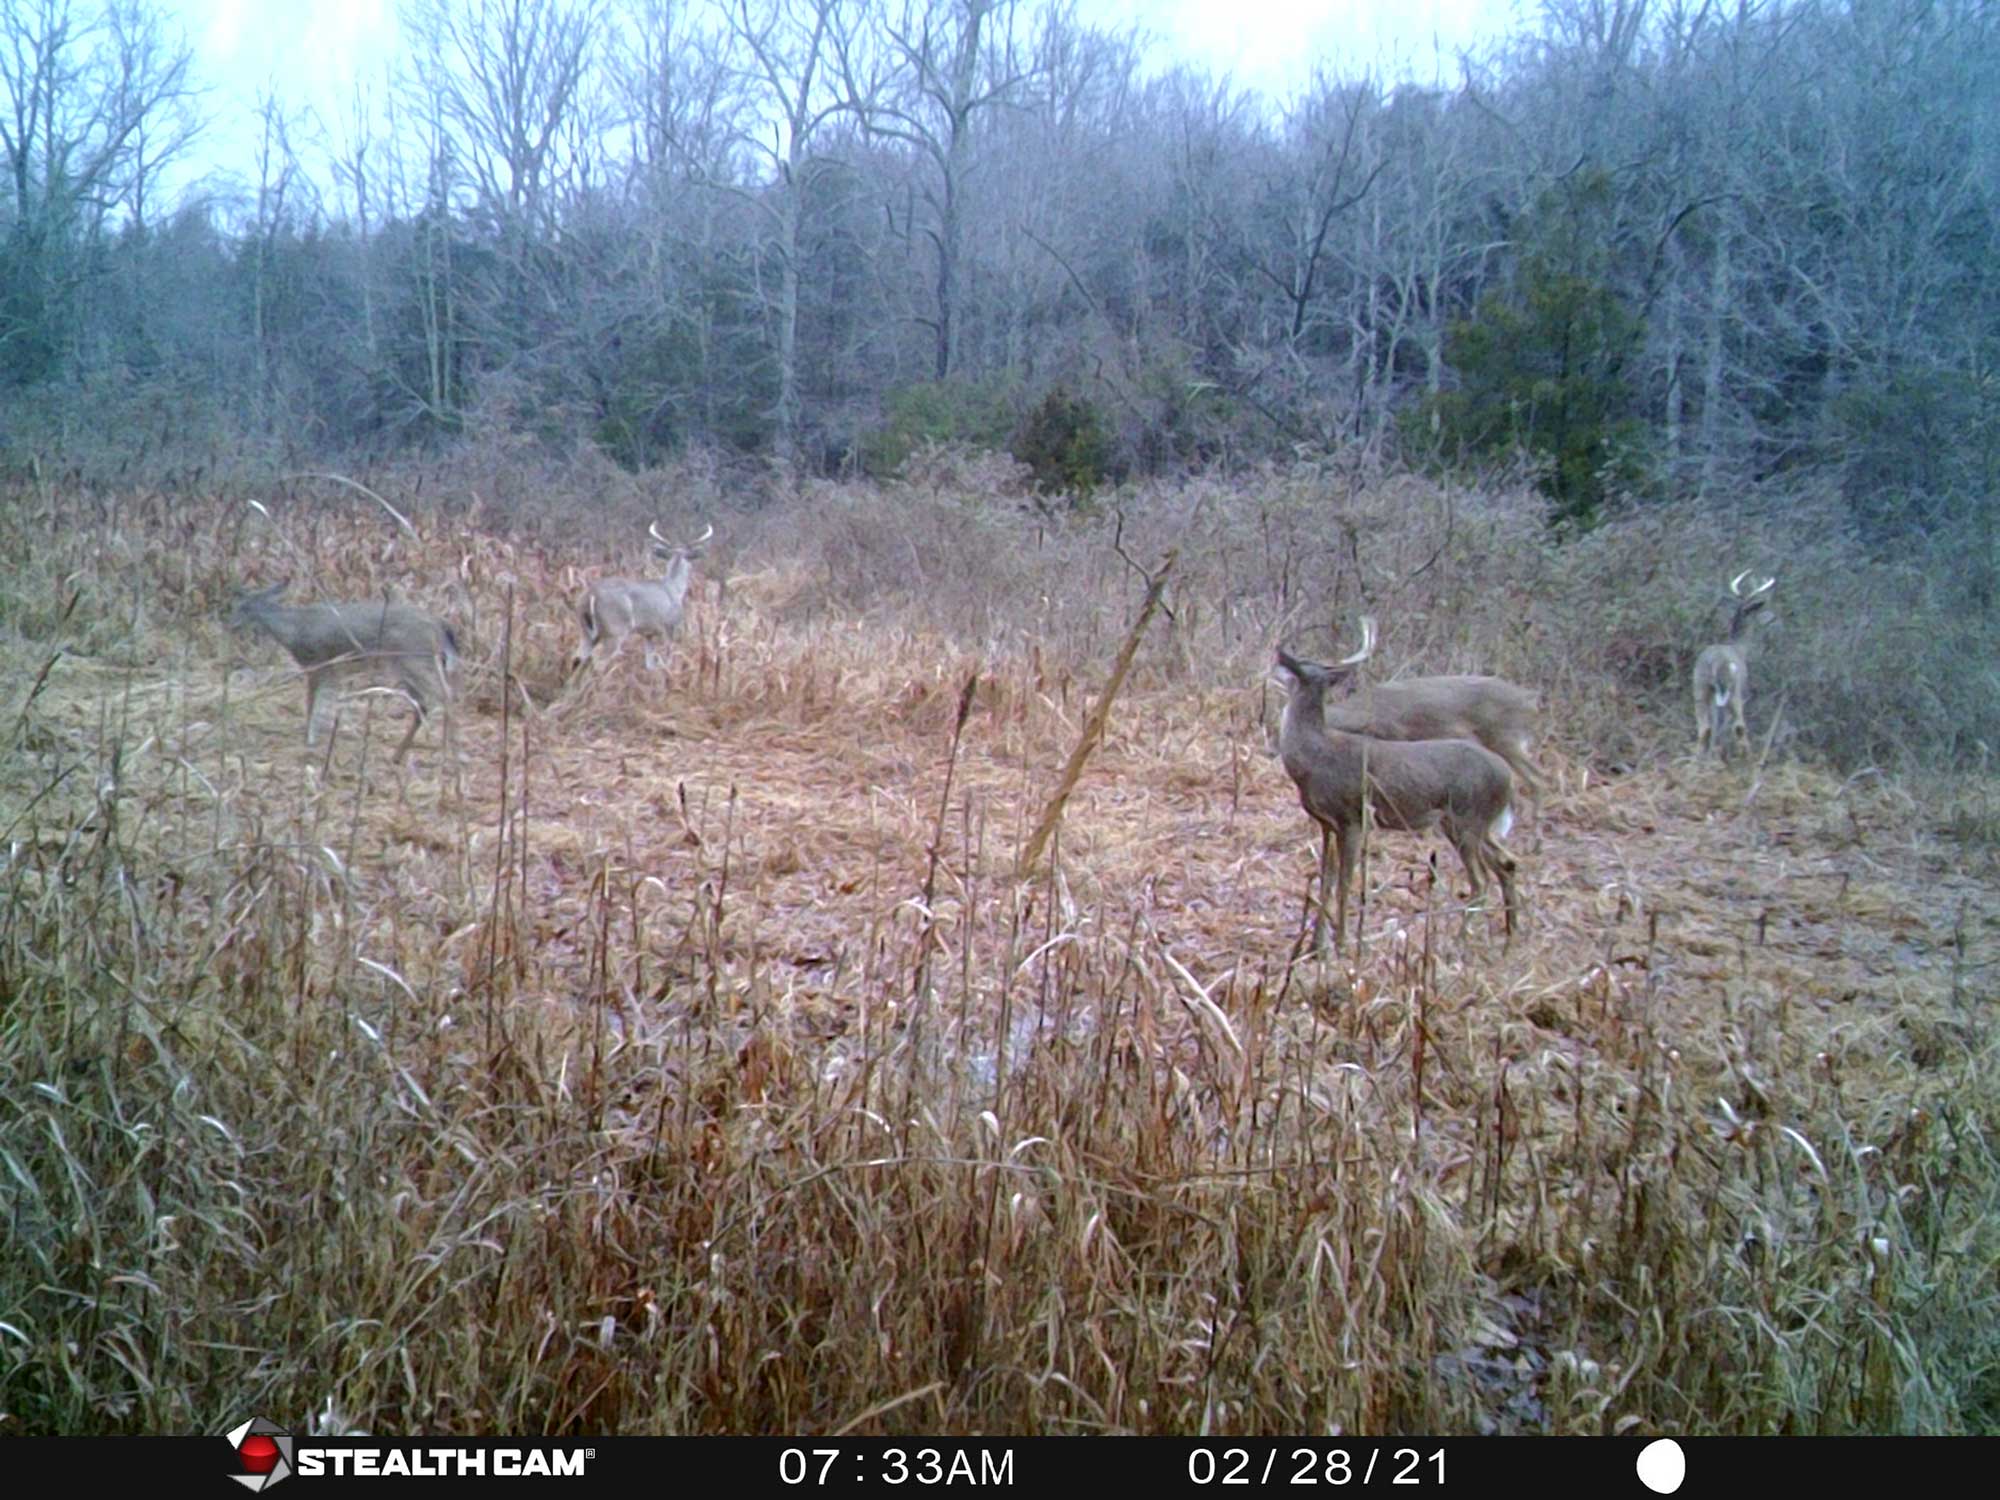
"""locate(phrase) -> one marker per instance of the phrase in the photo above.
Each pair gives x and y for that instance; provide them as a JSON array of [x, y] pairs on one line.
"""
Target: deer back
[[1488, 709], [318, 635]]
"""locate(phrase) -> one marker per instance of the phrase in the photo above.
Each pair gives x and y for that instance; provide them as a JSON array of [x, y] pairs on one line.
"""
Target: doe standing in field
[[1454, 785], [646, 607], [416, 651], [1722, 675]]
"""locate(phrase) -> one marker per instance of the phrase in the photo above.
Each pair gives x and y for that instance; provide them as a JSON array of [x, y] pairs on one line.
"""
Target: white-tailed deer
[[1490, 710], [417, 651], [1454, 785], [1722, 675], [645, 607]]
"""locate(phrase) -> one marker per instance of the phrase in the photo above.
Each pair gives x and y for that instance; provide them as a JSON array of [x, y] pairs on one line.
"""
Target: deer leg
[[447, 705], [315, 680], [1502, 863], [416, 720], [448, 685], [1319, 896], [1530, 779], [1349, 844], [1467, 845]]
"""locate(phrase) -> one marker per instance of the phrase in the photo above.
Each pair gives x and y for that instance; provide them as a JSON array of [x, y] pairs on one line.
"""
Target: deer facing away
[[1491, 710], [1722, 675], [645, 607], [1454, 785], [330, 641]]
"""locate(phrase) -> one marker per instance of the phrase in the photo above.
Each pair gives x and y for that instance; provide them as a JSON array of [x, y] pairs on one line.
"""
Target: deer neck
[[1304, 719]]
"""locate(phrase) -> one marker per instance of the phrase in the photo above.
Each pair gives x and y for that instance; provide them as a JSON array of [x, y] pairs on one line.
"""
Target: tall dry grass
[[684, 1056]]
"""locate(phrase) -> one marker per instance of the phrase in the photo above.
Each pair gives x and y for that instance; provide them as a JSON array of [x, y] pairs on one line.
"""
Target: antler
[[1367, 644], [1736, 586], [653, 531]]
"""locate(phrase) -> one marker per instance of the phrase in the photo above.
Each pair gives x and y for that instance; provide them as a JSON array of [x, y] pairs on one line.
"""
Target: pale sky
[[313, 50], [238, 44], [1273, 45]]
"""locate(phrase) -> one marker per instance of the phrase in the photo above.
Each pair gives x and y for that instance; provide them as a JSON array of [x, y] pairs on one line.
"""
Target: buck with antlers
[[1722, 674], [329, 641], [1490, 710], [645, 607], [1454, 785]]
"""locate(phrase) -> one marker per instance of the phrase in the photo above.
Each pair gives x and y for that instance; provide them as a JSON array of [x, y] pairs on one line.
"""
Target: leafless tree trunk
[[935, 67]]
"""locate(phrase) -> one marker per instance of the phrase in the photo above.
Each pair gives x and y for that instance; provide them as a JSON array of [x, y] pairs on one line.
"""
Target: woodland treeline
[[1667, 248]]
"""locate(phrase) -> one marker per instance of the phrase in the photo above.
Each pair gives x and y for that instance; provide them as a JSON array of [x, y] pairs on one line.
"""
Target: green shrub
[[1064, 442], [1543, 369], [976, 414]]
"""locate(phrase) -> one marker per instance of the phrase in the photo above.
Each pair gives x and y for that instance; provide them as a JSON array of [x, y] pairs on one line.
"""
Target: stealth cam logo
[[265, 1450]]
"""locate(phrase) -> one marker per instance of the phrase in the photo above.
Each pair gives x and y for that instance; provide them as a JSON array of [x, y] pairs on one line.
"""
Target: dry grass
[[684, 1057]]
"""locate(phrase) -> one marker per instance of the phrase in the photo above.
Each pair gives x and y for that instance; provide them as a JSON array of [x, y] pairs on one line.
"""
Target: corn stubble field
[[685, 1054]]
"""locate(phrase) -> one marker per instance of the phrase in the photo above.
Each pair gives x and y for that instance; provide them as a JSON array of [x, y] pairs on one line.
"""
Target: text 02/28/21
[[1317, 1464]]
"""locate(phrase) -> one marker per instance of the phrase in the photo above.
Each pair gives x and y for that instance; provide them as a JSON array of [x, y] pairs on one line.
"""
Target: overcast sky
[[312, 50], [1273, 45]]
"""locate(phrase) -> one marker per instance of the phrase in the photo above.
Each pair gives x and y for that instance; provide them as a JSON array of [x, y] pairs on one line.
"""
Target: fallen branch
[[1093, 726]]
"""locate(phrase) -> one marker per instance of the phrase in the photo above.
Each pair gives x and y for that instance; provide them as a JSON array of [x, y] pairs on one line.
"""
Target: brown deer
[[1722, 675], [1491, 710], [329, 641], [1410, 786], [646, 607]]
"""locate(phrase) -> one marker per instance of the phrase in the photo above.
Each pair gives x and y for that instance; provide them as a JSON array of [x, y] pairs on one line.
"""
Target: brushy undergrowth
[[686, 1055]]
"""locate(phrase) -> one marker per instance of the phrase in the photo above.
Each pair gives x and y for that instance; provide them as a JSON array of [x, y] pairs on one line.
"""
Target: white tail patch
[[1725, 685], [1504, 823]]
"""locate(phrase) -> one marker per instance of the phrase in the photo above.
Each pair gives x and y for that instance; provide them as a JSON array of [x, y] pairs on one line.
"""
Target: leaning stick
[[1093, 726]]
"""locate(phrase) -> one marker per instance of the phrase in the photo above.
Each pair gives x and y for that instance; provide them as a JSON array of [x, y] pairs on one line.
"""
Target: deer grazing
[[1490, 710], [329, 641], [1722, 674], [1454, 785], [646, 607]]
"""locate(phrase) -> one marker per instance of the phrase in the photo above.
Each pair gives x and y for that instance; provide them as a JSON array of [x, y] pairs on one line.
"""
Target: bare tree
[[683, 106], [1064, 176], [94, 101], [509, 77], [278, 181], [1323, 173], [781, 53], [932, 69]]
